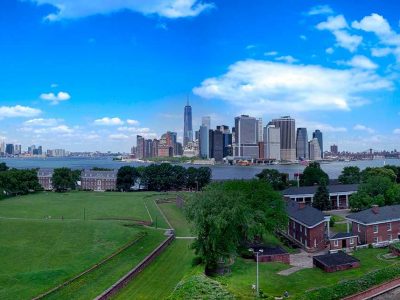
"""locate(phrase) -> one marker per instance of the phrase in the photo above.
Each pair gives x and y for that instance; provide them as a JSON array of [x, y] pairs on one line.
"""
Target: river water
[[333, 169]]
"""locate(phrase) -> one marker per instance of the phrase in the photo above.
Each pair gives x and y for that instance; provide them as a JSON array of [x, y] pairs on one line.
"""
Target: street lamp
[[257, 253]]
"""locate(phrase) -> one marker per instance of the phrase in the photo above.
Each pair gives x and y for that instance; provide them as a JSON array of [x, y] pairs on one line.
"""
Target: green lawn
[[175, 216], [159, 279], [244, 275], [39, 253]]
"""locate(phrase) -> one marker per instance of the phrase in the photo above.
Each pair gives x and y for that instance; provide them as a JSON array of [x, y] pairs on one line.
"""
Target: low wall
[[376, 290], [135, 271], [284, 258]]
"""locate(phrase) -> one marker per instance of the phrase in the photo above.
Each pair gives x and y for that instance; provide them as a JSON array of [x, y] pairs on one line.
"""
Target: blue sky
[[90, 75]]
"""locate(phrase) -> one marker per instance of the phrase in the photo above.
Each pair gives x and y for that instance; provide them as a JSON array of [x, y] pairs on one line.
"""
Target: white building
[[314, 149], [272, 142]]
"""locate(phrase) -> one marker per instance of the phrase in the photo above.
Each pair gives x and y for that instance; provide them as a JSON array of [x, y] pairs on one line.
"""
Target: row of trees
[[228, 214], [17, 182], [353, 175], [163, 177]]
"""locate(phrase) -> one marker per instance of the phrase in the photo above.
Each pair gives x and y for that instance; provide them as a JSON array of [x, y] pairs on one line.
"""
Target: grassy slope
[[244, 271], [37, 255], [159, 279], [94, 283]]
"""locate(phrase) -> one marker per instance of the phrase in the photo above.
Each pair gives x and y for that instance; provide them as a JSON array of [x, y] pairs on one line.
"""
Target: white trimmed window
[[389, 226], [351, 241], [301, 228], [305, 231], [375, 228], [336, 243], [376, 240], [358, 228], [315, 243], [389, 237]]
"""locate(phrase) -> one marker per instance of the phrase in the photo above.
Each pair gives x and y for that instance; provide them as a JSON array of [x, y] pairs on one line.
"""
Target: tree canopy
[[17, 182], [65, 179], [321, 198], [226, 214], [378, 172], [313, 175], [3, 167], [278, 181], [126, 178], [350, 175]]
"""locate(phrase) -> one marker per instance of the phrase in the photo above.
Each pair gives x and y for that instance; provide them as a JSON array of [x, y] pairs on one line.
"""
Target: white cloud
[[42, 122], [381, 28], [61, 129], [396, 131], [287, 58], [267, 86], [132, 122], [106, 121], [271, 53], [360, 127], [248, 47], [339, 28], [329, 50], [362, 62], [18, 111], [303, 37], [53, 85], [320, 10], [119, 136], [71, 9], [134, 129], [55, 98], [325, 128]]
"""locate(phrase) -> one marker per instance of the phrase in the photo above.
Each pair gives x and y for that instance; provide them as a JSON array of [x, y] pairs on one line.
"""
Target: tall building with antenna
[[187, 126]]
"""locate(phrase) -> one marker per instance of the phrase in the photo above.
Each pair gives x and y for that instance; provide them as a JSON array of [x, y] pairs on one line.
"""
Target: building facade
[[246, 133], [287, 137], [314, 150], [187, 126], [272, 142], [302, 143], [317, 134], [99, 180], [45, 178]]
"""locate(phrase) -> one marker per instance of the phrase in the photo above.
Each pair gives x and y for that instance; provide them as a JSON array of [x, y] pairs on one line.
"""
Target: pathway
[[300, 261]]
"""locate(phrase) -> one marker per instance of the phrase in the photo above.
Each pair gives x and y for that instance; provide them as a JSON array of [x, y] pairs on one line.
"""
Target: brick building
[[308, 227], [45, 178], [343, 240], [99, 180], [339, 194], [376, 225]]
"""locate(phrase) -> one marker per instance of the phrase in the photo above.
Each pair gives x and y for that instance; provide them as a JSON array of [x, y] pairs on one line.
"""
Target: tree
[[378, 172], [3, 167], [278, 181], [313, 174], [321, 198], [227, 213], [396, 170], [203, 177], [392, 195], [126, 177], [18, 182], [350, 175], [64, 179]]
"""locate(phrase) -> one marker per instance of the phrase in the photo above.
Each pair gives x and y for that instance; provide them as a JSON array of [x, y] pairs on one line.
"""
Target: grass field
[[176, 218], [38, 253], [244, 275]]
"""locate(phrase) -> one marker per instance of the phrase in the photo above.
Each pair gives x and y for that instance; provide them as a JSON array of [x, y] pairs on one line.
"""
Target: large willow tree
[[227, 214]]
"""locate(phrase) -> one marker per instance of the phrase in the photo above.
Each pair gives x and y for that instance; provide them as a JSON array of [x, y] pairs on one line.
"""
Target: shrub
[[197, 260]]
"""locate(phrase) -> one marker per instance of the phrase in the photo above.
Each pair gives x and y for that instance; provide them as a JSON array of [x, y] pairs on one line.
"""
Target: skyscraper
[[140, 147], [204, 142], [288, 137], [302, 143], [260, 136], [318, 135], [246, 132], [314, 149], [187, 126], [206, 121], [272, 142], [334, 149]]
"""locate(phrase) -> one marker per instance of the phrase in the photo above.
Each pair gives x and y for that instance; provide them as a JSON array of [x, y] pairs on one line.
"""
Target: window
[[294, 225], [375, 228], [375, 240], [389, 226], [305, 231], [389, 237], [351, 241], [315, 243], [301, 228], [358, 228], [336, 243]]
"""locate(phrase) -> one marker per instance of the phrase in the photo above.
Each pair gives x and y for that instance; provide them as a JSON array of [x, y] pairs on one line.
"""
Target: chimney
[[375, 209], [302, 205]]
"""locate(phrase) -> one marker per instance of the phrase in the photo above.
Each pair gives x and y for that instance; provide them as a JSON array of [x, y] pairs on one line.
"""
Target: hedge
[[353, 286]]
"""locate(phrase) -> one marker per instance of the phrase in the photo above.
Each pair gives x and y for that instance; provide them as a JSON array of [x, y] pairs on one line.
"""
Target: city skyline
[[68, 81]]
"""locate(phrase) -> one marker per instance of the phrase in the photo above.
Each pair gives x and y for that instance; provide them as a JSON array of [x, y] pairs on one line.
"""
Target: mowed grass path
[[159, 279], [38, 253], [244, 275]]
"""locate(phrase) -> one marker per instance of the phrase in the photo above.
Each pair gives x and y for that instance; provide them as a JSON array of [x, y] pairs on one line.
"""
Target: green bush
[[353, 286], [197, 260]]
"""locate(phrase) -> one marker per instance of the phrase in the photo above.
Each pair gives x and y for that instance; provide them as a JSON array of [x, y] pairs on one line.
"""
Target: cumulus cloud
[[132, 122], [329, 50], [18, 111], [61, 129], [360, 127], [277, 87], [360, 61], [107, 121], [381, 28], [287, 58], [71, 9], [55, 98], [396, 131], [339, 28], [320, 10], [42, 122], [271, 53], [326, 128]]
